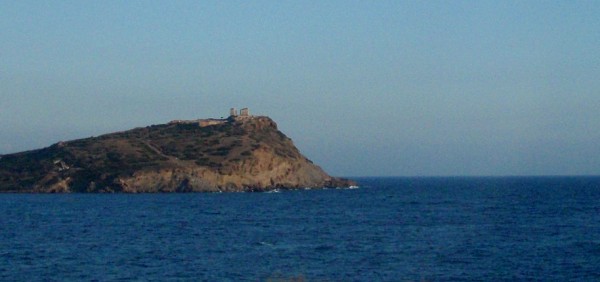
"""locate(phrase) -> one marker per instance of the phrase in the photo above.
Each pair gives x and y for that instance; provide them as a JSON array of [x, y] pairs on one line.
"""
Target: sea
[[386, 229]]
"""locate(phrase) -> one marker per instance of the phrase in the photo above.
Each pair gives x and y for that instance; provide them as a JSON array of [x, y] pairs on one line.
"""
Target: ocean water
[[390, 229]]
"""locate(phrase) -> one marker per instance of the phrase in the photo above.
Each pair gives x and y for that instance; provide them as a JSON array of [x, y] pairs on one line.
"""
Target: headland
[[234, 154]]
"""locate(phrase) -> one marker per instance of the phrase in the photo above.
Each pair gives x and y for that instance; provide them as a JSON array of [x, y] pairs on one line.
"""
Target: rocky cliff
[[237, 154]]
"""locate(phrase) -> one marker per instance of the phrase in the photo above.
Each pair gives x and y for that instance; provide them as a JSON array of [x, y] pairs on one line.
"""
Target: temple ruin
[[244, 112]]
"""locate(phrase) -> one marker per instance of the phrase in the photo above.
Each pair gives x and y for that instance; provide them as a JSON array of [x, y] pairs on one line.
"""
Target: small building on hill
[[210, 121]]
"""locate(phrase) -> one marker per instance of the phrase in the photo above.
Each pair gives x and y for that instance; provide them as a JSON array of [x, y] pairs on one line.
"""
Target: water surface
[[389, 229]]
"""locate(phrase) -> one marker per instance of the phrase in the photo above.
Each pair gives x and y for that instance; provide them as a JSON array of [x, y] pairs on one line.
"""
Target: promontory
[[235, 154]]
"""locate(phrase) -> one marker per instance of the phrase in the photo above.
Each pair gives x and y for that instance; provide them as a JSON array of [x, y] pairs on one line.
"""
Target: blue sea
[[389, 229]]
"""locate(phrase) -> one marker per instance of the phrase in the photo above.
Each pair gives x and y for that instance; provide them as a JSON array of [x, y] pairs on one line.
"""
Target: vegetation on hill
[[235, 155]]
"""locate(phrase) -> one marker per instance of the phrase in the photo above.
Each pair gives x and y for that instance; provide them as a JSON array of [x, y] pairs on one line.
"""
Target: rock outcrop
[[238, 154]]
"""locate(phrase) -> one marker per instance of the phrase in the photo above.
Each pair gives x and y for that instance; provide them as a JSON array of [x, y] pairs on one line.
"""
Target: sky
[[363, 88]]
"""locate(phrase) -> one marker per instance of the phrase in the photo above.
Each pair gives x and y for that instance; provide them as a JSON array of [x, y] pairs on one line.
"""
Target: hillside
[[236, 154]]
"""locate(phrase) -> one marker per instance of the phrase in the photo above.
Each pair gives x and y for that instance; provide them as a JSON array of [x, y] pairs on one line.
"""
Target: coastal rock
[[214, 155]]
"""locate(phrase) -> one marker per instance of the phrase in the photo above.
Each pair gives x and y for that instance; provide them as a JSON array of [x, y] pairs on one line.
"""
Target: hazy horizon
[[386, 88]]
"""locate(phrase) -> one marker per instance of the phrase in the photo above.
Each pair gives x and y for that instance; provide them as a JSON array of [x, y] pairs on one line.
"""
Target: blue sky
[[364, 88]]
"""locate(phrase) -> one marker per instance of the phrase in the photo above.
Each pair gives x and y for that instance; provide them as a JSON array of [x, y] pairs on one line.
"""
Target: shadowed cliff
[[237, 154]]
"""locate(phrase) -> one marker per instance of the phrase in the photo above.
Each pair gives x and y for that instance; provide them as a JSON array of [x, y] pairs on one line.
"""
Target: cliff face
[[243, 154]]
